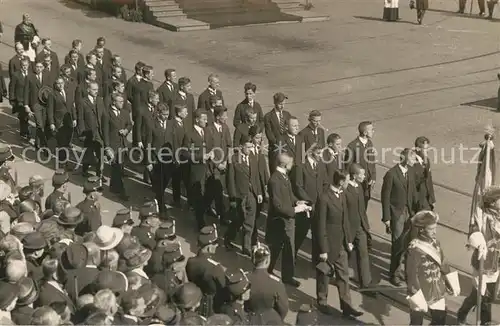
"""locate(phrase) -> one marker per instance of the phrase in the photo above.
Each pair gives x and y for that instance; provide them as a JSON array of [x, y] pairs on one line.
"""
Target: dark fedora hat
[[43, 94], [28, 291], [70, 217]]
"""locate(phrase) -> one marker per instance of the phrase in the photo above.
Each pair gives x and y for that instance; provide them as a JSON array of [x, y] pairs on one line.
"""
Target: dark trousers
[[281, 239], [462, 4], [246, 213], [362, 258], [92, 156], [341, 266], [64, 136], [23, 120], [400, 237], [470, 302], [215, 193], [178, 174], [367, 196], [198, 199], [302, 226], [438, 317], [40, 113], [116, 184]]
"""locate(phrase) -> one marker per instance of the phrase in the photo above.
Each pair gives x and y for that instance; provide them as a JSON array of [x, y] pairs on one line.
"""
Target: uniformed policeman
[[206, 273], [123, 220], [268, 292], [172, 274], [164, 235], [238, 287], [60, 183], [145, 231], [188, 299], [90, 206]]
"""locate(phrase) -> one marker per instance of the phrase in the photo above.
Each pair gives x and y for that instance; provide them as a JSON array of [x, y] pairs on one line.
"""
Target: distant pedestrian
[[391, 10]]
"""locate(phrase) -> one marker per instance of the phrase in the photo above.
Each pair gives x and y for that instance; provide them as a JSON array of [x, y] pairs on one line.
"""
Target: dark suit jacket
[[160, 136], [50, 294], [264, 173], [16, 88], [272, 125], [167, 96], [330, 227], [281, 198], [141, 98], [198, 168], [54, 66], [117, 123], [424, 184], [188, 102], [204, 99], [286, 145], [32, 87], [311, 138], [60, 110], [81, 281], [356, 152], [144, 125], [333, 163], [398, 193], [177, 134], [3, 86], [241, 109], [92, 120], [132, 88], [309, 183], [356, 208], [14, 65], [218, 140], [21, 315], [239, 131], [81, 60], [243, 179]]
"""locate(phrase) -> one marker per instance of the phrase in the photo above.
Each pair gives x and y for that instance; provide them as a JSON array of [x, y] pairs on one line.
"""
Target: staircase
[[185, 15]]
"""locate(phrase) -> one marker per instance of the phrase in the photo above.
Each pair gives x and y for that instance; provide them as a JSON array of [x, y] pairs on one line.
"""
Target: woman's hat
[[20, 230], [136, 257], [107, 237], [34, 241], [71, 216], [75, 256], [28, 291]]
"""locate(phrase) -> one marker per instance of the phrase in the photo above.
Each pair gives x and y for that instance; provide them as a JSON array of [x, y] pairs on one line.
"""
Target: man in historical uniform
[[25, 32], [428, 276], [484, 237]]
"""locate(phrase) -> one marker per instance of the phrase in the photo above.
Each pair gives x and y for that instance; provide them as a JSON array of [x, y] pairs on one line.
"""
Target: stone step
[[225, 11], [245, 18], [181, 24], [211, 5], [160, 2], [164, 8], [280, 2], [290, 6], [162, 14]]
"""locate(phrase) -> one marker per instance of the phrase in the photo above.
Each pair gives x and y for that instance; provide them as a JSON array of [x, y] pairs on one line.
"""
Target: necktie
[[40, 78], [63, 95], [169, 87], [292, 139], [282, 122], [180, 123], [164, 125], [202, 133], [116, 112]]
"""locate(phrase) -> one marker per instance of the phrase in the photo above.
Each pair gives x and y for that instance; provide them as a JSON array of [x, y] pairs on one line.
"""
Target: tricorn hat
[[424, 218]]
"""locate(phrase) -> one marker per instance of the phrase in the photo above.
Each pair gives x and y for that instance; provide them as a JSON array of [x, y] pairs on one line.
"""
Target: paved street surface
[[436, 80]]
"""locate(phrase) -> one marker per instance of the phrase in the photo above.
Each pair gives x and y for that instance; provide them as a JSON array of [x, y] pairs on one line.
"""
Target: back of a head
[[45, 316], [219, 320], [193, 320]]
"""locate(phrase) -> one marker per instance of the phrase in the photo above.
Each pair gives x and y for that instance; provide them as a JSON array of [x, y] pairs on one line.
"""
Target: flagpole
[[479, 292]]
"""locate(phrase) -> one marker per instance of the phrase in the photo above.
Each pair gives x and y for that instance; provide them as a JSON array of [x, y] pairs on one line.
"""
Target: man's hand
[[371, 183], [300, 208], [52, 127], [28, 111], [74, 124], [260, 199], [350, 246], [222, 166], [232, 204], [140, 145], [388, 227], [149, 167], [123, 132], [301, 202], [323, 256]]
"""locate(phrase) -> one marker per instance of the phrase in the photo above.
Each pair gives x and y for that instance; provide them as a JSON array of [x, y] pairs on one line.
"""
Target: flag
[[485, 177]]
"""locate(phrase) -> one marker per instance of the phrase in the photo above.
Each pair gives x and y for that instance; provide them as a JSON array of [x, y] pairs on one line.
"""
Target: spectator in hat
[[112, 280], [220, 320], [98, 318], [49, 227], [141, 304], [145, 232], [8, 301], [238, 287], [51, 286], [45, 316], [37, 183], [188, 299], [90, 206], [207, 273], [164, 235], [55, 251], [107, 238], [62, 309], [28, 217], [166, 314], [21, 230], [7, 209], [123, 220], [6, 159], [171, 275], [10, 243], [60, 183], [84, 262], [69, 221], [34, 245], [28, 293], [268, 292], [105, 300], [135, 260], [27, 192], [32, 207], [109, 260], [127, 242]]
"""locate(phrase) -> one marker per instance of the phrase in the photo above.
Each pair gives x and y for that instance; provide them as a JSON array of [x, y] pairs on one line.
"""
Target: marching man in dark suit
[[212, 89], [423, 175], [292, 142], [245, 193], [184, 97], [16, 96], [399, 200], [309, 180], [249, 103], [62, 119], [76, 46], [313, 133], [15, 61], [275, 123], [331, 244], [358, 223], [361, 151], [241, 130], [47, 52], [168, 89], [93, 126], [118, 129], [333, 155], [197, 155], [132, 91], [144, 126], [283, 206]]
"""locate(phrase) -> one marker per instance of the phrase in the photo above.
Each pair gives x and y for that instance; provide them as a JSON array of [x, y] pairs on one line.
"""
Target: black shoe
[[124, 197], [396, 281], [229, 245], [351, 312], [325, 309], [246, 253], [292, 282]]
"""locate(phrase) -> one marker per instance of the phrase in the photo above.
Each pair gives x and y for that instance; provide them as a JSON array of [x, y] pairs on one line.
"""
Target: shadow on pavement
[[83, 8], [382, 20], [486, 104], [474, 15]]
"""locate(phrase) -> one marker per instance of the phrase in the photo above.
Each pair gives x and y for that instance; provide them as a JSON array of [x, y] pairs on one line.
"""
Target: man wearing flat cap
[[90, 206], [483, 237], [172, 274], [275, 123], [427, 274], [123, 220], [60, 183], [34, 245], [207, 273], [238, 286], [268, 292]]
